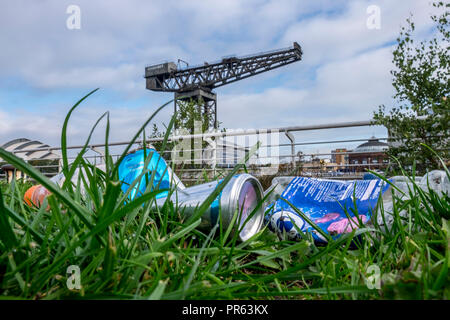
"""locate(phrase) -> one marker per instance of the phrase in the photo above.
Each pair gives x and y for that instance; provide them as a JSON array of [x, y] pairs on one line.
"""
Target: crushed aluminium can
[[327, 203], [132, 166], [240, 196]]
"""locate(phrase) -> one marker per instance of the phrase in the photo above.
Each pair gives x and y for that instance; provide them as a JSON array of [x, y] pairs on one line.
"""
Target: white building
[[34, 152], [224, 154]]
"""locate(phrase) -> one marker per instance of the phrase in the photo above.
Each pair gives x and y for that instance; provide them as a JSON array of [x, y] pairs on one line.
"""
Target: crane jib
[[167, 77], [196, 83]]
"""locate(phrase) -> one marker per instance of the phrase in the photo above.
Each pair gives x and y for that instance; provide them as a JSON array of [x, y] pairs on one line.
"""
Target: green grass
[[133, 250]]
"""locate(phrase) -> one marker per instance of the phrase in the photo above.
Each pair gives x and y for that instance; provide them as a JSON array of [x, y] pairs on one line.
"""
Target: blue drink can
[[134, 166]]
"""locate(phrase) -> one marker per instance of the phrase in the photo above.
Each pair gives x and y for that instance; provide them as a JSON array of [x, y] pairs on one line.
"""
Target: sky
[[344, 75]]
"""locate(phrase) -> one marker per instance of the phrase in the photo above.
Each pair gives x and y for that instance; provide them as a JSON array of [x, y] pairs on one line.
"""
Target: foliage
[[422, 83], [190, 112], [189, 115]]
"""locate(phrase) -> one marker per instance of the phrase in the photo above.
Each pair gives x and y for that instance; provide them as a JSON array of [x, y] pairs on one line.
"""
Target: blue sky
[[45, 67]]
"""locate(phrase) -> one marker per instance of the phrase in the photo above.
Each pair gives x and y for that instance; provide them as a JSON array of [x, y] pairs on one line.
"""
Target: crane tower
[[197, 82]]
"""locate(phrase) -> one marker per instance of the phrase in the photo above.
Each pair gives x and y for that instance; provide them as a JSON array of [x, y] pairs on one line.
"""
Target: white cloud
[[345, 90], [124, 124], [344, 74], [329, 37], [119, 35]]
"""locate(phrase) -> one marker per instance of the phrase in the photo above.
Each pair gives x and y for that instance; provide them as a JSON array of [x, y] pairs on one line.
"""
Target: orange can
[[35, 195]]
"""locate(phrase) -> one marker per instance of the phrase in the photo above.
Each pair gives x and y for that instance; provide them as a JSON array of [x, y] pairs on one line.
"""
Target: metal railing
[[218, 152]]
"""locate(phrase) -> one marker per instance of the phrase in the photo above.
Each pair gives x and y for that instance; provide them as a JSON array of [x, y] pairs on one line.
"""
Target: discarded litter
[[243, 192], [336, 207], [436, 180], [329, 204], [132, 167], [240, 196], [36, 194]]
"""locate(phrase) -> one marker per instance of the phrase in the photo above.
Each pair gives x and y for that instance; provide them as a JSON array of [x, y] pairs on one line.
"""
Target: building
[[35, 153], [339, 156], [369, 155], [224, 154], [11, 173]]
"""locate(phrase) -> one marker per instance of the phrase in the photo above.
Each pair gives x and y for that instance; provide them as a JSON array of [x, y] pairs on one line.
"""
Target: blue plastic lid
[[132, 167]]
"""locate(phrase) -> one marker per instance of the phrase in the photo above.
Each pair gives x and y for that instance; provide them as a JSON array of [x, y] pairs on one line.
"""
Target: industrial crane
[[197, 82]]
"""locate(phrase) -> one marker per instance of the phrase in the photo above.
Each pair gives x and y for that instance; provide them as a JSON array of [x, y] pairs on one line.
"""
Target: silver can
[[240, 196]]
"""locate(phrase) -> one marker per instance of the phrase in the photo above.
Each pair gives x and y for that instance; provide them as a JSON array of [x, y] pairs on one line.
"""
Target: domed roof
[[373, 145], [31, 149]]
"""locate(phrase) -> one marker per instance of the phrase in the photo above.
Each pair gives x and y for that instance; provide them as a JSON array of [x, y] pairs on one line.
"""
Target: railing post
[[292, 139], [100, 152]]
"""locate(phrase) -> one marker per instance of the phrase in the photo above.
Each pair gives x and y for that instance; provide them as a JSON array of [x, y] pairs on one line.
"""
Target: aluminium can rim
[[231, 198]]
